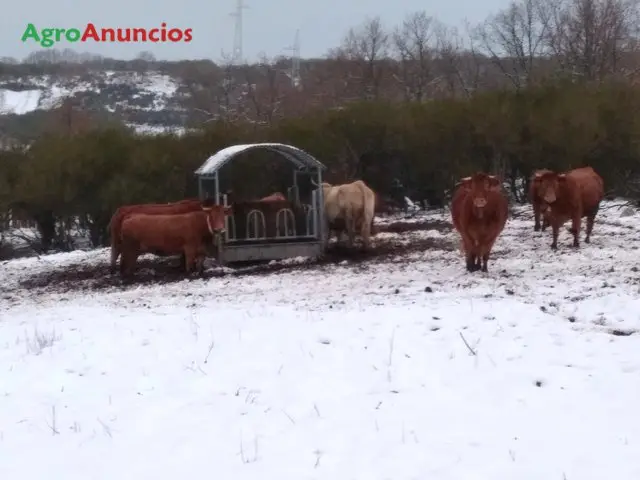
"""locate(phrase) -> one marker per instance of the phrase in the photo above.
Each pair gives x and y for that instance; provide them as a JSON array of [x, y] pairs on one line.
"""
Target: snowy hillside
[[400, 365], [144, 99]]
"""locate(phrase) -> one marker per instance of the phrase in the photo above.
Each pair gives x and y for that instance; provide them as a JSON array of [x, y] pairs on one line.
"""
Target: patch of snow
[[18, 103], [410, 204], [146, 129], [54, 89], [408, 368], [160, 85]]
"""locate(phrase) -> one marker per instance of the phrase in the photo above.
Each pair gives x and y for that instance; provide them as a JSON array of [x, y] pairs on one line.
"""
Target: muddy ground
[[158, 270]]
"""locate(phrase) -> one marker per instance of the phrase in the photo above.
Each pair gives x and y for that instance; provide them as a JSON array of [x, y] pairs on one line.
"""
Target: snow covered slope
[[403, 367], [19, 103], [139, 98]]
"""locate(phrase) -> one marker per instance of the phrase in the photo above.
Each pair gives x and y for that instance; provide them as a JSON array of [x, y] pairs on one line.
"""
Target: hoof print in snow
[[428, 289], [396, 291], [538, 383], [435, 329], [543, 308], [601, 320], [622, 333], [572, 319], [509, 291], [324, 341]]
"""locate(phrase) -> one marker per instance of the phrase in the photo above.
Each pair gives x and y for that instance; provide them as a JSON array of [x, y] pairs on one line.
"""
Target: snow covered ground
[[405, 368], [19, 103]]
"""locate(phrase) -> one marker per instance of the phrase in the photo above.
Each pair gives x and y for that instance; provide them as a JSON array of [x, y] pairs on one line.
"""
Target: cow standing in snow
[[570, 196], [479, 212]]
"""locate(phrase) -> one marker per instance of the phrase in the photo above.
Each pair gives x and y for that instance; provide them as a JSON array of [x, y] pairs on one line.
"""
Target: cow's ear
[[463, 181], [494, 183]]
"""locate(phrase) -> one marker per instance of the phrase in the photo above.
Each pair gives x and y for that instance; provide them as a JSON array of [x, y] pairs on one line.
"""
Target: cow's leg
[[575, 229], [115, 253], [536, 217], [199, 262], [350, 223], [189, 255], [555, 229], [128, 262], [486, 253], [545, 223], [365, 232], [473, 260], [590, 219], [485, 262], [328, 233], [132, 264], [477, 255], [124, 264]]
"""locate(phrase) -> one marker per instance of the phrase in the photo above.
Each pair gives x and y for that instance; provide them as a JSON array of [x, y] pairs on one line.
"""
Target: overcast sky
[[269, 25]]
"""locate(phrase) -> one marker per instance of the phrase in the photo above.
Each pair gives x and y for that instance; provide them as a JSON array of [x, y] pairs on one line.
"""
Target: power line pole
[[295, 60], [237, 37]]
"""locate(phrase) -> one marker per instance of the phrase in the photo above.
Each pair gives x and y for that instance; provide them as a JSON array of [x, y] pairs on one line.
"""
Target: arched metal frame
[[229, 220], [289, 220], [256, 214], [311, 241]]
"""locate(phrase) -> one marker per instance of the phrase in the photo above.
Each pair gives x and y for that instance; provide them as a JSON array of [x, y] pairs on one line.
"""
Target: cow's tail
[[368, 213]]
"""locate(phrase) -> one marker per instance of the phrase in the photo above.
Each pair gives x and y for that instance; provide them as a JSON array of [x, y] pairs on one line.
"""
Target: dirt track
[[156, 270]]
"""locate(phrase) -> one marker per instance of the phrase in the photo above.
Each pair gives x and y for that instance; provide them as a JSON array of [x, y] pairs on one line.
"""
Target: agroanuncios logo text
[[47, 37]]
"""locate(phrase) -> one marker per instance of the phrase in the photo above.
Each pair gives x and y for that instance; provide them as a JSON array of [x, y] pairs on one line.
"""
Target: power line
[[237, 34], [295, 60]]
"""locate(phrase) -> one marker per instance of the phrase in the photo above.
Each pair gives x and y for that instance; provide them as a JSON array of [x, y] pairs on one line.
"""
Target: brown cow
[[171, 234], [115, 224], [352, 203], [572, 195], [479, 212], [274, 197], [536, 200]]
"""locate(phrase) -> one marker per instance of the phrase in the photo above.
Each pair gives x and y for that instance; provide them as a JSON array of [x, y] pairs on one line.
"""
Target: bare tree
[[415, 43], [595, 38], [368, 47], [264, 88], [146, 56], [458, 61], [514, 39], [215, 92]]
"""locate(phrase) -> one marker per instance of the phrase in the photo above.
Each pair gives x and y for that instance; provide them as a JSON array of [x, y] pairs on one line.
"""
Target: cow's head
[[215, 218], [548, 185], [480, 186]]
